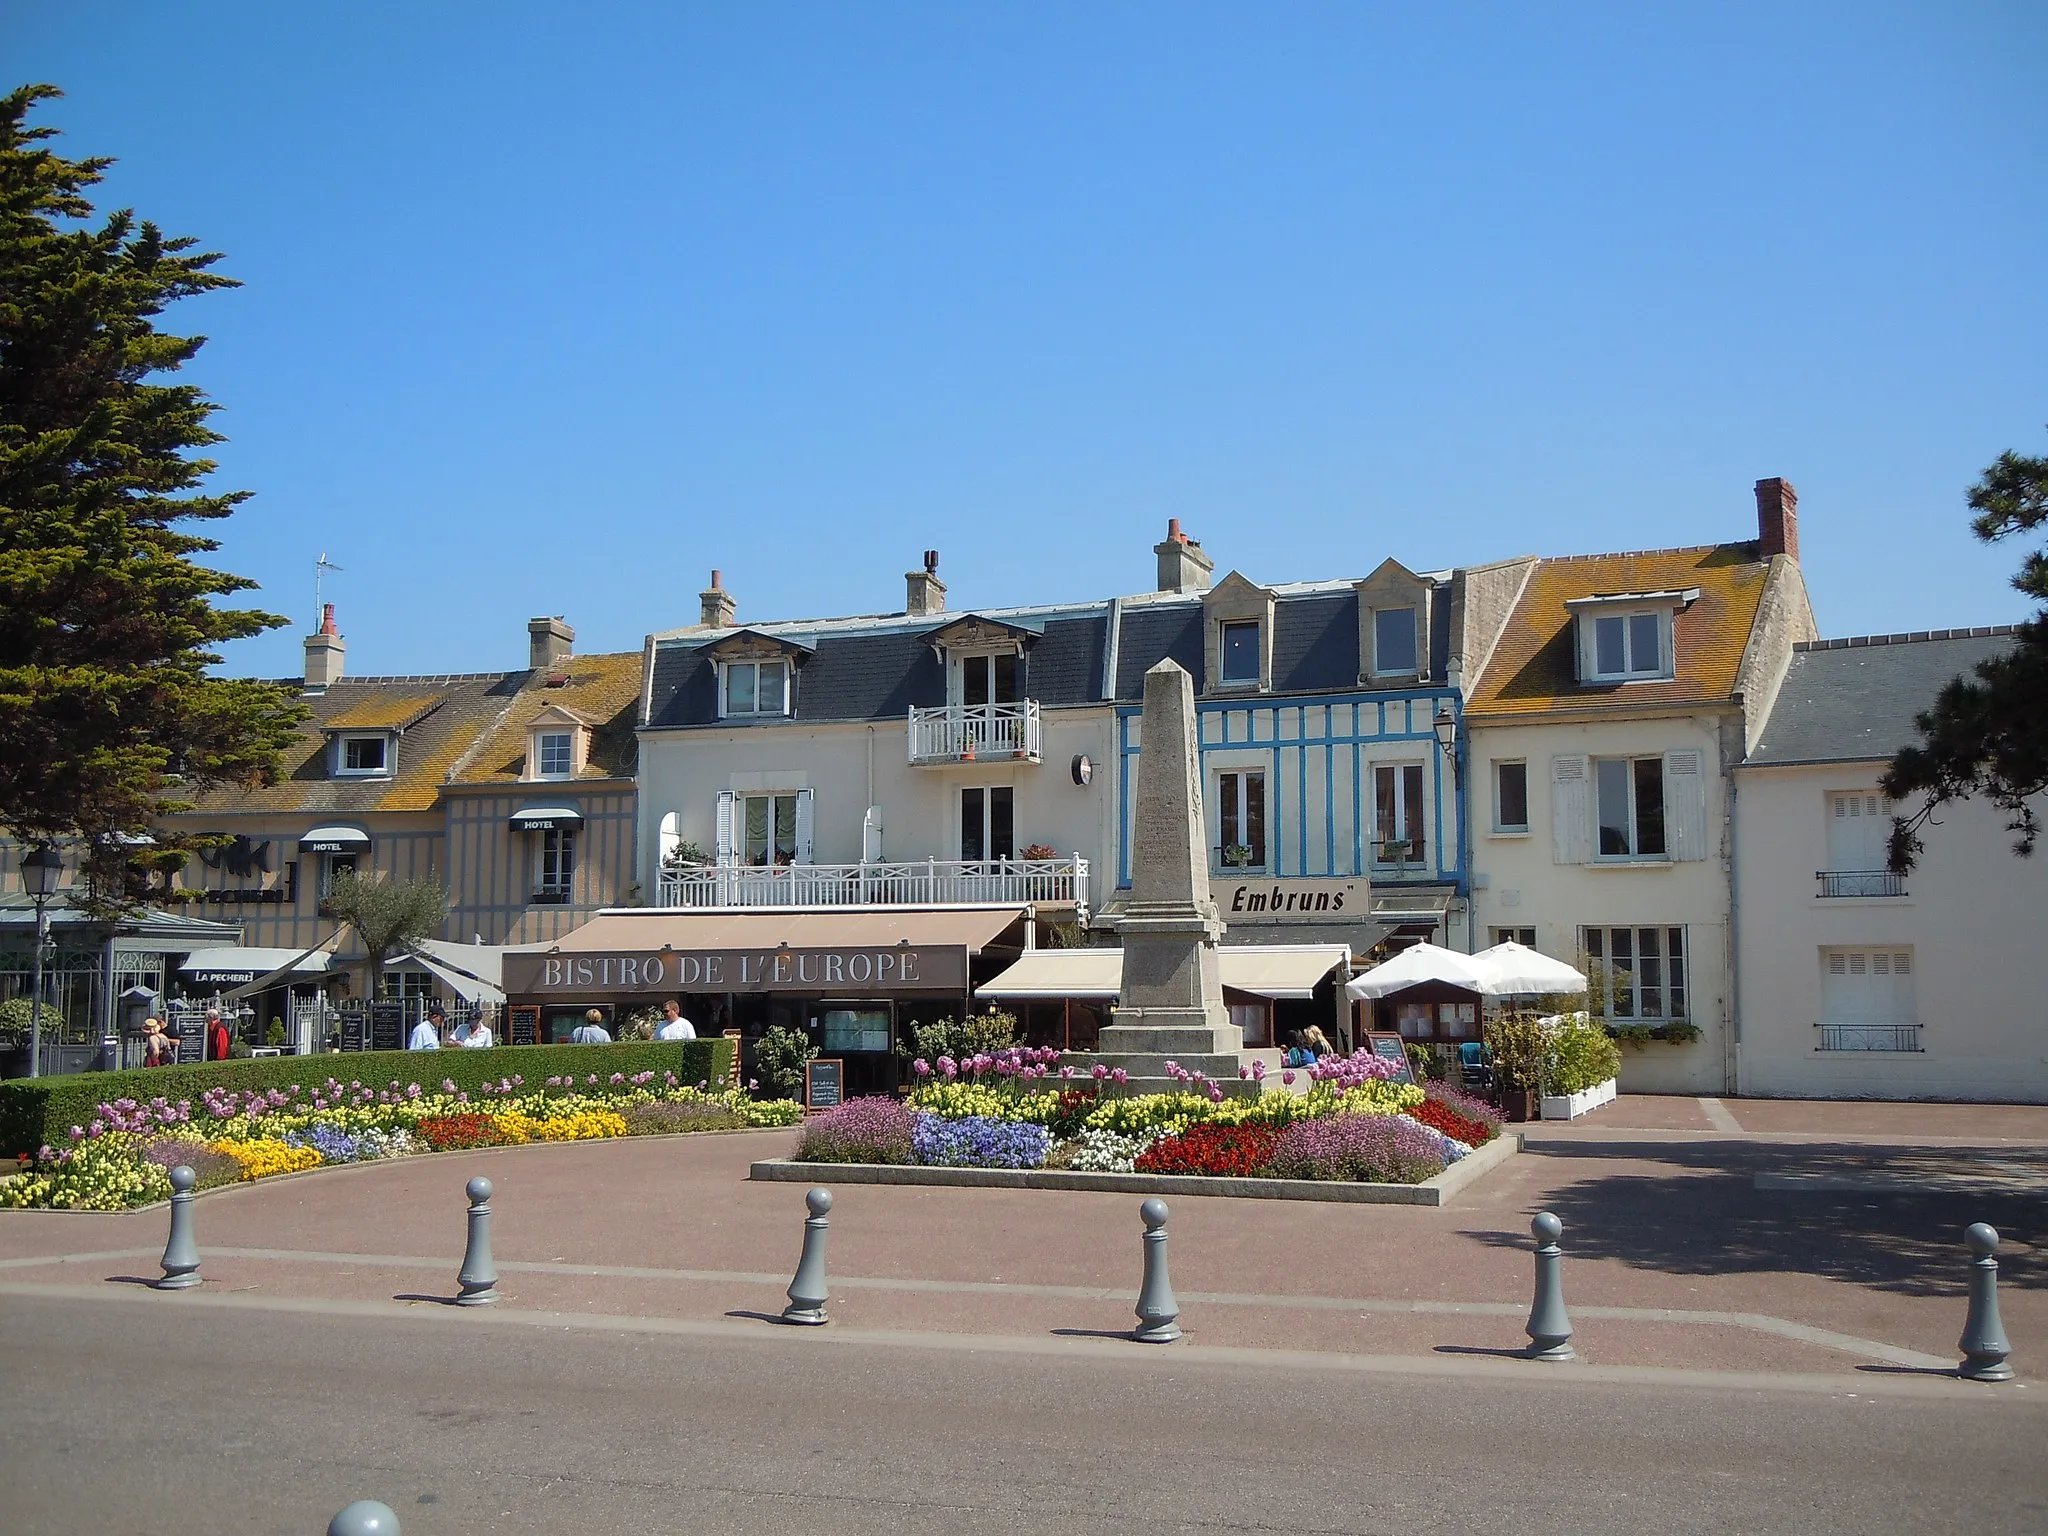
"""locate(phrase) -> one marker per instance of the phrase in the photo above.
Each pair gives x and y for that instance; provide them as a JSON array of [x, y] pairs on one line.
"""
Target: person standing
[[218, 1046], [158, 1048], [479, 1037], [591, 1031], [426, 1035], [673, 1025]]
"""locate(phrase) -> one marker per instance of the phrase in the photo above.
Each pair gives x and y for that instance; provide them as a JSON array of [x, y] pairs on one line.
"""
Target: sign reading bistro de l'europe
[[882, 968]]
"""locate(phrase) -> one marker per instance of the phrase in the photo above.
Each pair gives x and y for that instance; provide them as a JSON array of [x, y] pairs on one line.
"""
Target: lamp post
[[40, 868], [1446, 725]]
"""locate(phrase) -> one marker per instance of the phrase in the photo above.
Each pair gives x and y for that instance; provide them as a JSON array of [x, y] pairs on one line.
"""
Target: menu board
[[522, 1026], [1390, 1048], [354, 1024], [387, 1026], [191, 1041], [824, 1083]]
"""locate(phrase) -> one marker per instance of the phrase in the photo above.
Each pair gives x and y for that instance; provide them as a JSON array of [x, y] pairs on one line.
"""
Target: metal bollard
[[807, 1293], [479, 1277], [365, 1517], [1983, 1344], [181, 1253], [1158, 1307], [1549, 1330]]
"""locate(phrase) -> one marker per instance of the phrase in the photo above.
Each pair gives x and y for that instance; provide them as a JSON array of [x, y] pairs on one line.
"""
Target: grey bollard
[[181, 1253], [1158, 1307], [479, 1277], [365, 1517], [1983, 1344], [1549, 1330], [807, 1291]]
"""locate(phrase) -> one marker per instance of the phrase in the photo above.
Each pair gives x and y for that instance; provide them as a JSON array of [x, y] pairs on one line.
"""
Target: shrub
[[1237, 1151], [35, 1111], [1581, 1055], [978, 1141], [664, 1118], [779, 1058], [1519, 1046], [1366, 1149], [869, 1130], [979, 1034]]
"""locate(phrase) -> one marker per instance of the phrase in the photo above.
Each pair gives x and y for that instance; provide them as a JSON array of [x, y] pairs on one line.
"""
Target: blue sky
[[552, 310]]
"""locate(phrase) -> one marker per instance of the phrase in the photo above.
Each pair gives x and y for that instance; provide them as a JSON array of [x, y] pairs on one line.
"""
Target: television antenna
[[320, 568]]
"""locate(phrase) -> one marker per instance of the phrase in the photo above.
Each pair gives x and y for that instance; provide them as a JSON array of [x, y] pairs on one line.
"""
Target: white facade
[[1850, 991], [1649, 922]]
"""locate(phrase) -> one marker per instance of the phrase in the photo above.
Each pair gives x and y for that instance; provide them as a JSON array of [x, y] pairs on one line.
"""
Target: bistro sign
[[883, 969]]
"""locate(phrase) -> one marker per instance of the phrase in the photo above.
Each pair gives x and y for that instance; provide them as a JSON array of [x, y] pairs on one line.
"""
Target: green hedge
[[34, 1111]]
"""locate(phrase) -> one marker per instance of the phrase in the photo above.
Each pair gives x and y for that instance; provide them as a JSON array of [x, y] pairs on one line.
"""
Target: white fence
[[926, 883], [970, 733]]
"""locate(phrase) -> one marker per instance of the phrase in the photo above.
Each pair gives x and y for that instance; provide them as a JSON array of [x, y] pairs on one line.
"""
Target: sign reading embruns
[[1279, 901], [890, 968]]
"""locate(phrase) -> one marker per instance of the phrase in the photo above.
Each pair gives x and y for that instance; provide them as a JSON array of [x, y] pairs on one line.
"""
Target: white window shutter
[[728, 810], [1685, 803], [1571, 811], [803, 826]]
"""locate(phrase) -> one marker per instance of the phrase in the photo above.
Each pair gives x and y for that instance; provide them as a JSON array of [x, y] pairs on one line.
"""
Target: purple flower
[[979, 1141], [1119, 1075], [864, 1130], [1098, 1071], [921, 1067], [1378, 1149], [1287, 1077]]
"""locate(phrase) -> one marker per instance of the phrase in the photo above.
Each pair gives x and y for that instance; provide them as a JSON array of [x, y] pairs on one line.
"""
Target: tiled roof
[[1533, 669], [379, 711], [1854, 700], [604, 690]]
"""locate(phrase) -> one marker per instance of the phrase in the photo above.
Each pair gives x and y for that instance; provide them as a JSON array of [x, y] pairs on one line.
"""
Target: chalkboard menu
[[353, 1024], [387, 1026], [191, 1041], [824, 1083], [1391, 1048], [522, 1026]]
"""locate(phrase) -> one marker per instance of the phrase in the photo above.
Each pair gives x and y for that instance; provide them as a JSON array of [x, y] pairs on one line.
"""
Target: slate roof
[[1854, 700], [1533, 668]]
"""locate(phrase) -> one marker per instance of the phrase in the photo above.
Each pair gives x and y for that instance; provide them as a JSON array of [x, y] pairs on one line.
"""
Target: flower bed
[[122, 1154], [1021, 1108]]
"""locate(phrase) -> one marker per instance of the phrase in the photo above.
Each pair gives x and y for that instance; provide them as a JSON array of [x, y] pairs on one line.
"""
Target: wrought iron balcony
[[1860, 882], [977, 733], [1870, 1037], [898, 884]]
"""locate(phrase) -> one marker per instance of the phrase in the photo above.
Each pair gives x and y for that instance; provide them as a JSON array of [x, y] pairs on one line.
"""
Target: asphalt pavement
[[131, 1411]]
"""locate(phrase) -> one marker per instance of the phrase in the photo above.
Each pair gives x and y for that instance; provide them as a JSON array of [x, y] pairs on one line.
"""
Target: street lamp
[[1446, 725], [40, 869]]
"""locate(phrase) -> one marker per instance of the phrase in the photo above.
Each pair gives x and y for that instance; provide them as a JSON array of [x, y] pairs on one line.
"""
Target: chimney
[[718, 606], [1777, 518], [924, 592], [1182, 565], [550, 642], [324, 651]]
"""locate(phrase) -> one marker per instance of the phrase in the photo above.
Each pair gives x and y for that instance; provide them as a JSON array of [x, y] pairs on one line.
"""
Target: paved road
[[233, 1415]]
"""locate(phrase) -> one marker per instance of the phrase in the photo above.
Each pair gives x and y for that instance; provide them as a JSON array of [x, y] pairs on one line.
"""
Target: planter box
[[1570, 1106]]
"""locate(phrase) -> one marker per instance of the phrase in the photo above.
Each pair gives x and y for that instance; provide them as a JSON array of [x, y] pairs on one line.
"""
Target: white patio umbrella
[[1423, 962], [1514, 970]]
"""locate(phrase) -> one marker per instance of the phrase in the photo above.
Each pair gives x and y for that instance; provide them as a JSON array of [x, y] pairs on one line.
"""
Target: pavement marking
[[1718, 1116], [1757, 1322], [2010, 1179], [38, 1261], [1106, 1351]]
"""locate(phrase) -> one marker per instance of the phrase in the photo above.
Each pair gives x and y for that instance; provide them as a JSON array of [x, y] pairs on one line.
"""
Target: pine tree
[[1988, 735], [107, 623]]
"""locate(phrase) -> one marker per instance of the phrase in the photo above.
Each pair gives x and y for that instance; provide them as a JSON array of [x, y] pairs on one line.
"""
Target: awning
[[322, 952], [1419, 964], [1268, 970], [475, 971], [546, 818], [234, 964], [334, 840], [1516, 970], [1411, 909]]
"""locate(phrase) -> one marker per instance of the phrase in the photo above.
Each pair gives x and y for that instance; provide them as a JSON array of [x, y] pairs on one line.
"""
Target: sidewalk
[[1823, 1252]]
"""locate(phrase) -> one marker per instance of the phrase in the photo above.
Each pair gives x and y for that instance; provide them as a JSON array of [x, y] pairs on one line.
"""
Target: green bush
[[779, 1059], [1581, 1056], [42, 1110], [17, 1015], [1518, 1044], [977, 1034]]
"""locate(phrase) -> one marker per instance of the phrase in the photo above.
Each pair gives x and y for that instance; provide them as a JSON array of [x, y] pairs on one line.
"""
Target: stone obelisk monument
[[1171, 1006]]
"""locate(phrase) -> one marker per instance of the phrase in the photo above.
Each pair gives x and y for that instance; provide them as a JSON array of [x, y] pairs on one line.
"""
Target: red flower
[[450, 1133], [1228, 1151], [1472, 1132]]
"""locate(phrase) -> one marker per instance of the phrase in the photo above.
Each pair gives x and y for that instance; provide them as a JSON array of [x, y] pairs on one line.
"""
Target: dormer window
[[557, 754], [754, 688], [364, 756], [1394, 648], [1239, 654], [1627, 637]]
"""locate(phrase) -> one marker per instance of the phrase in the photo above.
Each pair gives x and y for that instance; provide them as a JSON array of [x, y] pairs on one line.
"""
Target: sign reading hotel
[[1293, 901], [882, 968]]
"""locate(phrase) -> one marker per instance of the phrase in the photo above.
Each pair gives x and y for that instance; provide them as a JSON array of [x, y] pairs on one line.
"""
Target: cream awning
[[1269, 970], [973, 927]]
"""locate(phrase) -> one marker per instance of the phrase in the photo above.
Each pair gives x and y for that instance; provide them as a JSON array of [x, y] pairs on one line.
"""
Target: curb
[[1436, 1191]]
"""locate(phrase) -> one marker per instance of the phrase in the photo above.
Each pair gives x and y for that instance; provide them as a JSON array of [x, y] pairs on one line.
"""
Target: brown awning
[[974, 927]]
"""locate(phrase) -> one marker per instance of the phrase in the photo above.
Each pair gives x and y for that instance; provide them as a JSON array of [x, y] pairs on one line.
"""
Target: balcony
[[977, 733], [1860, 882], [1870, 1037], [922, 883]]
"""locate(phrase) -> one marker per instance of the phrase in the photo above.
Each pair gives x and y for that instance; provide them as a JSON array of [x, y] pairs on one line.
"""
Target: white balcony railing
[[974, 733], [918, 883]]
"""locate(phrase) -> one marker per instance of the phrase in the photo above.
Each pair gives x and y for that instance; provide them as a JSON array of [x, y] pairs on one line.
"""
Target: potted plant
[[1237, 856], [1039, 851], [1519, 1045]]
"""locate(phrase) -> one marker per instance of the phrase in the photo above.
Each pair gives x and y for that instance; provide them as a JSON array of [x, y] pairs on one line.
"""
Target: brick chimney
[[718, 606], [324, 652], [923, 591], [1182, 565], [1777, 518], [550, 642]]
